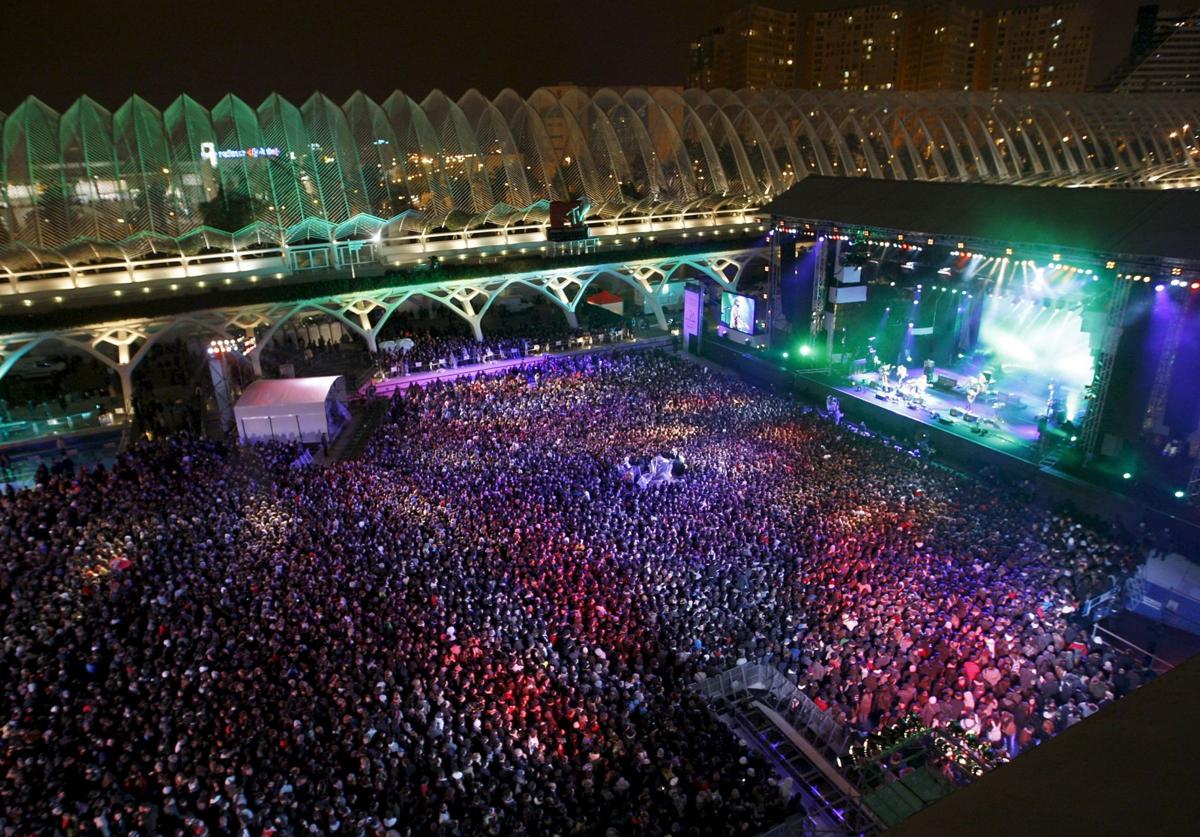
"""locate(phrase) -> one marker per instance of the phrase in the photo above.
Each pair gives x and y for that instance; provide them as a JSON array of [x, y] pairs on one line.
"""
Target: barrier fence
[[769, 685]]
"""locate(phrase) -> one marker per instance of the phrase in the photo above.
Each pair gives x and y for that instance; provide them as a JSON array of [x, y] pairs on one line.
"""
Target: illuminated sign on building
[[210, 152]]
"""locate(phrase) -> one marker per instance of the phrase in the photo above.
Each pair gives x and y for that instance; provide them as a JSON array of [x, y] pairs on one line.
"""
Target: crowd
[[422, 351], [479, 627]]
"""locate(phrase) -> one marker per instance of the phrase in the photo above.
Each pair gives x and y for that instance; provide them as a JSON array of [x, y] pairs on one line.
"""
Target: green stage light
[[786, 355], [805, 350], [1179, 495], [1126, 476]]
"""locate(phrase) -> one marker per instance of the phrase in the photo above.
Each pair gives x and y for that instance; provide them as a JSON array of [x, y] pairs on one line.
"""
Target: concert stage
[[1011, 444], [1071, 315], [1009, 425]]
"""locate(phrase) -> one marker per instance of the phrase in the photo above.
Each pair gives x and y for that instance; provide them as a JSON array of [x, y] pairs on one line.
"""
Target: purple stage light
[[1160, 288]]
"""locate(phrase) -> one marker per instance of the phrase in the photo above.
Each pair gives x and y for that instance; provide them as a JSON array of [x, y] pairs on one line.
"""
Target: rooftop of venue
[[1143, 222]]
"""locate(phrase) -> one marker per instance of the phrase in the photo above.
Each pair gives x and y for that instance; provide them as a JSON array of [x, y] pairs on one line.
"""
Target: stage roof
[[1137, 222], [266, 395], [1128, 769]]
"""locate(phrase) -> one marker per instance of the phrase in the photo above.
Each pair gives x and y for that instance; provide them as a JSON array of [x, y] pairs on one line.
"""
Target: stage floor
[[1011, 428]]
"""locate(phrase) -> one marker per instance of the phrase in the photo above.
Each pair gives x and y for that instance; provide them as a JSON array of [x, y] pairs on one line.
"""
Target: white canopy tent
[[292, 408]]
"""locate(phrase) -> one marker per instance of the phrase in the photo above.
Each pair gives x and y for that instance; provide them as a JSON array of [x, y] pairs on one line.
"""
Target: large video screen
[[737, 312]]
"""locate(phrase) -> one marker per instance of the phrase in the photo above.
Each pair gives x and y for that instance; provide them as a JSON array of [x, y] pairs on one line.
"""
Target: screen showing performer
[[737, 312]]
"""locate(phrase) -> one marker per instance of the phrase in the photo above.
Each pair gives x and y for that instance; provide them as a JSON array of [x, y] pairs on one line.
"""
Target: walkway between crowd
[[647, 338]]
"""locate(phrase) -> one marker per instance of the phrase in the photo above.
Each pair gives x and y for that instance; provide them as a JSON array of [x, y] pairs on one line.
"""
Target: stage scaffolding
[[1114, 325], [1156, 406]]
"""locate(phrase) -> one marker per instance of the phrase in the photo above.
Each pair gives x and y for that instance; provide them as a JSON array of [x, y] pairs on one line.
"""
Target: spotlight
[[1160, 288], [1179, 495], [1126, 476], [805, 350]]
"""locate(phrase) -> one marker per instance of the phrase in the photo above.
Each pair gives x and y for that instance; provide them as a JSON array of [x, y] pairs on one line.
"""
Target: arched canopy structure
[[93, 185]]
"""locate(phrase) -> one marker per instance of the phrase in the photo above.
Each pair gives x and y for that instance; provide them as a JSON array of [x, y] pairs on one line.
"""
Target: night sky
[[110, 50]]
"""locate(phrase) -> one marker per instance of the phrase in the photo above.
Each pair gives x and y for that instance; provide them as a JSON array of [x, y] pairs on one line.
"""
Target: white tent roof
[[265, 395]]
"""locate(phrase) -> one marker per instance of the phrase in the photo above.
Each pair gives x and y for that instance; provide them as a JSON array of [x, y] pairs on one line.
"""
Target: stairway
[[352, 441], [827, 809]]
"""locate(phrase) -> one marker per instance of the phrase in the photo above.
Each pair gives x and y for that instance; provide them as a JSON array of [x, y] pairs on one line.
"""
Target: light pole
[[218, 370]]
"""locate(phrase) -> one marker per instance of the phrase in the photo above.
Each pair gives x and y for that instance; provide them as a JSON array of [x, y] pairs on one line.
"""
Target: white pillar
[[477, 328], [658, 311], [572, 319], [125, 373]]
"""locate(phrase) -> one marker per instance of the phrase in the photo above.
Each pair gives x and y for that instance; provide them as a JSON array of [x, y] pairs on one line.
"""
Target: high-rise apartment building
[[1165, 54], [706, 67], [852, 49], [756, 47], [939, 47], [1035, 48]]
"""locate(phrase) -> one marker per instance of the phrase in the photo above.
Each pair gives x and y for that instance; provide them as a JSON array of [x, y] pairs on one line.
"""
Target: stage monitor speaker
[[847, 296], [945, 382]]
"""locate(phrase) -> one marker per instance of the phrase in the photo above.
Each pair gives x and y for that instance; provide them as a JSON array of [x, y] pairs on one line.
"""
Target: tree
[[229, 212]]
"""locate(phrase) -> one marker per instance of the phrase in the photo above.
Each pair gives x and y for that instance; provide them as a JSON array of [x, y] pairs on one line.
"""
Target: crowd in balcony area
[[410, 345], [482, 626]]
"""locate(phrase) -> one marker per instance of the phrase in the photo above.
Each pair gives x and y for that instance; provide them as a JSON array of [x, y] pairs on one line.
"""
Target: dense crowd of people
[[480, 627], [423, 351]]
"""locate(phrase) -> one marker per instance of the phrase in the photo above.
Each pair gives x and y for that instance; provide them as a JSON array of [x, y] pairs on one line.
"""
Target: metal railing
[[270, 260], [1158, 664], [772, 687]]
